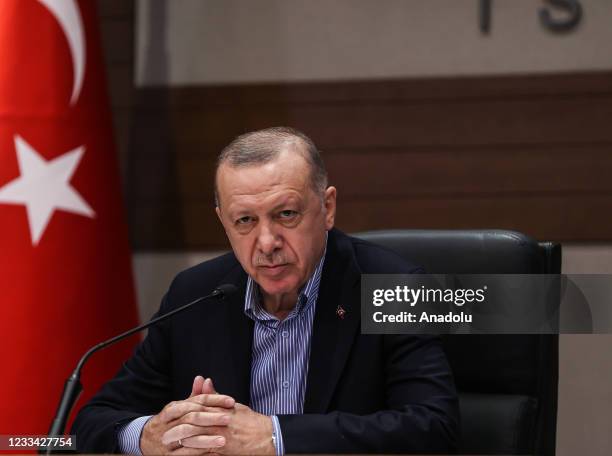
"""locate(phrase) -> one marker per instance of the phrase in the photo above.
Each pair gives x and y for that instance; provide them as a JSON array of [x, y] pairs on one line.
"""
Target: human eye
[[245, 220], [287, 214], [288, 217]]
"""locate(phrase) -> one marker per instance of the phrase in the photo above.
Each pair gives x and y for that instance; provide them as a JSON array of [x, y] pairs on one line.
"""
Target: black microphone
[[73, 387]]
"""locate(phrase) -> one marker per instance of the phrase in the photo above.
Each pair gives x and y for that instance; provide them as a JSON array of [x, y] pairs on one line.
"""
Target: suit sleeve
[[421, 413], [142, 387]]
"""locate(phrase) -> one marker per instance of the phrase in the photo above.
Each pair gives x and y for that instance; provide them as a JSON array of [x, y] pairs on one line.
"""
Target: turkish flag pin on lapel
[[340, 312]]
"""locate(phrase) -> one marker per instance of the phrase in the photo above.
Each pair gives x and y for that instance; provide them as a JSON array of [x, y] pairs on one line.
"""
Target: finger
[[175, 410], [185, 431], [206, 418], [216, 409], [208, 387], [213, 400], [181, 431], [204, 441], [198, 383]]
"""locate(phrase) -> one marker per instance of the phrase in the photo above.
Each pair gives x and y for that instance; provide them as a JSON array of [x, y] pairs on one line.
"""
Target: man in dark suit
[[286, 367]]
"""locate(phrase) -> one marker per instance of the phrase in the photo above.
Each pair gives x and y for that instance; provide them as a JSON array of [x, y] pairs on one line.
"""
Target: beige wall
[[225, 41], [153, 272], [585, 395], [585, 370]]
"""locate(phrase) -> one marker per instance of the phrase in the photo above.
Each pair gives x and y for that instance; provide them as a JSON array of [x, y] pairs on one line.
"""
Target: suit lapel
[[332, 336]]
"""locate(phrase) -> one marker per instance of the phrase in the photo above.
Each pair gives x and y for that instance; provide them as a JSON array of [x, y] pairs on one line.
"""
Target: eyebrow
[[239, 213], [242, 211], [286, 201]]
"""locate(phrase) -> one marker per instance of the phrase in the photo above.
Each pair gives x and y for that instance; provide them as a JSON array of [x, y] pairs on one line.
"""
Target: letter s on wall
[[574, 10]]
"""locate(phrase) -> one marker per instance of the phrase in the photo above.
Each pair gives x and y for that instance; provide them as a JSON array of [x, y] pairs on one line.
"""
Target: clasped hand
[[207, 422]]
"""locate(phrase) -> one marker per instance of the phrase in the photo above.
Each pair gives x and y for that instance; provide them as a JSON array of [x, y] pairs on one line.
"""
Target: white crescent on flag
[[68, 16]]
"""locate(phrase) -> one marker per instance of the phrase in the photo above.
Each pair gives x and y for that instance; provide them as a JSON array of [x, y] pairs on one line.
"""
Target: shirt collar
[[306, 297]]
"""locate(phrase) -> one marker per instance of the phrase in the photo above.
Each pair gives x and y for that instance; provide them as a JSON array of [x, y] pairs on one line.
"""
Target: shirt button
[[285, 334], [285, 384]]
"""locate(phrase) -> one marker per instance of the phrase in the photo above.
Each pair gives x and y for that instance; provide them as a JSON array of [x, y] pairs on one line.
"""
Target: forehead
[[288, 175]]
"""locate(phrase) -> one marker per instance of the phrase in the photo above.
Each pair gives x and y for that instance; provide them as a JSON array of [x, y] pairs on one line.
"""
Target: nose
[[268, 240]]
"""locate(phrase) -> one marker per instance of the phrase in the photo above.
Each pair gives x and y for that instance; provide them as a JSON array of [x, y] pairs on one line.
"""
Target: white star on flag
[[44, 187]]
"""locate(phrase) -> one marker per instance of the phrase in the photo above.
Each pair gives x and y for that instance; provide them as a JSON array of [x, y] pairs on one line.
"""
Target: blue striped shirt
[[281, 350], [279, 365]]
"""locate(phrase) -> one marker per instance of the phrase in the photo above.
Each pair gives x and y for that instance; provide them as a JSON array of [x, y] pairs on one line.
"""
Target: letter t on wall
[[485, 16]]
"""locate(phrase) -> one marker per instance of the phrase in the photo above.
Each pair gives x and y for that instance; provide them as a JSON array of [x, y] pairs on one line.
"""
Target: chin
[[278, 286]]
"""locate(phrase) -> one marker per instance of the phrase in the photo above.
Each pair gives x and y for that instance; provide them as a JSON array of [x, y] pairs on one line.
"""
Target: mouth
[[272, 266], [273, 269]]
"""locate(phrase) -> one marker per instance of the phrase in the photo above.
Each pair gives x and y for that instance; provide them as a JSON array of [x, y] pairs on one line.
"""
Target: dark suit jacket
[[365, 393]]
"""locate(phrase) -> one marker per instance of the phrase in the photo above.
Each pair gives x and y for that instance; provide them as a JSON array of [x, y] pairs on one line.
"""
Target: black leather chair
[[507, 383]]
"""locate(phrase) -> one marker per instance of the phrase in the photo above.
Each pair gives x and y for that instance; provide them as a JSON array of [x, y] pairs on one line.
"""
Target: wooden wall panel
[[558, 217], [116, 19], [568, 217], [526, 152], [469, 123], [359, 174], [371, 124]]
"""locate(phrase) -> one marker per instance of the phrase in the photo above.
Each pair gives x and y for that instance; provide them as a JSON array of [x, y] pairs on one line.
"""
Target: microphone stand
[[73, 386]]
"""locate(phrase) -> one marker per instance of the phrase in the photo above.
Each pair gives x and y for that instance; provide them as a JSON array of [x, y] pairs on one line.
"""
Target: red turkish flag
[[65, 271]]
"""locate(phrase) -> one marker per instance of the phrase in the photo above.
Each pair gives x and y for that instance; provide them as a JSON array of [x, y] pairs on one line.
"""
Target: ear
[[330, 207], [220, 217], [218, 211]]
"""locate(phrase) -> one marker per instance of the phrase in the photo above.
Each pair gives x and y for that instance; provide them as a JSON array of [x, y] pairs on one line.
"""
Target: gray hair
[[263, 146]]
